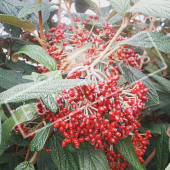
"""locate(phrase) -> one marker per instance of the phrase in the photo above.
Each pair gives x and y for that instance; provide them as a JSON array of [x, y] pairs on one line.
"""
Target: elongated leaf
[[94, 5], [15, 21], [33, 90], [76, 53], [162, 150], [61, 157], [147, 39], [159, 8], [111, 15], [45, 161], [121, 6], [40, 139], [22, 114], [132, 75], [25, 166], [37, 6], [10, 78], [165, 84], [90, 158], [39, 54], [125, 147]]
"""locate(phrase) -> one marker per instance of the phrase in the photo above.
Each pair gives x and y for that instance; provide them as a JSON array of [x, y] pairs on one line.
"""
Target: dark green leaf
[[92, 159], [39, 54], [15, 21], [125, 147], [40, 139], [162, 150], [61, 156], [25, 166], [132, 75], [6, 157], [45, 161]]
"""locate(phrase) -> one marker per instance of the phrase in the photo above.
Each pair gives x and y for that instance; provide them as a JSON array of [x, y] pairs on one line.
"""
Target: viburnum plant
[[89, 95]]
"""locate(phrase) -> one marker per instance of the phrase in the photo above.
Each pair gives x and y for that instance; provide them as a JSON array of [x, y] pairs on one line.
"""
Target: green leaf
[[132, 75], [15, 21], [94, 5], [162, 150], [111, 15], [116, 18], [10, 78], [78, 52], [22, 114], [121, 6], [125, 147], [168, 167], [40, 139], [6, 157], [45, 161], [152, 68], [147, 39], [2, 114], [165, 84], [92, 159], [39, 54], [37, 6], [33, 90], [0, 130], [159, 8], [25, 166], [61, 156]]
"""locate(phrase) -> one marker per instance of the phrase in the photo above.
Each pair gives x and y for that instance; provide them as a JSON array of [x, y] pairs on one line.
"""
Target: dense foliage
[[89, 94]]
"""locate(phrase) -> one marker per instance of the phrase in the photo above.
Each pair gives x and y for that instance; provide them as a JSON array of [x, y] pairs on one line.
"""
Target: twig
[[59, 13], [151, 156], [28, 152], [35, 157]]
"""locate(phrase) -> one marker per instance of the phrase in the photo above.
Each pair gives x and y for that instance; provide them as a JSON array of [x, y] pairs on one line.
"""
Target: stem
[[59, 13], [151, 156], [70, 16], [28, 153], [35, 157]]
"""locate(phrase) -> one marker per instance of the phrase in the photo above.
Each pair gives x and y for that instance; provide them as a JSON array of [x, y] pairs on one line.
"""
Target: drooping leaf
[[165, 84], [159, 8], [22, 114], [39, 54], [90, 158], [61, 156], [45, 161], [25, 166], [76, 53], [125, 147], [37, 6], [15, 21], [162, 150], [40, 139], [94, 5], [10, 78], [147, 39], [121, 6], [132, 75]]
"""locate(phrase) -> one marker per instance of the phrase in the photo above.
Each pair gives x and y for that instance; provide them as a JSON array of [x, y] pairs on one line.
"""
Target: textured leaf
[[2, 114], [152, 68], [159, 8], [92, 159], [116, 18], [40, 139], [10, 78], [125, 147], [147, 39], [45, 161], [15, 21], [22, 114], [37, 6], [61, 156], [25, 166], [132, 75], [76, 53], [165, 84], [162, 150], [39, 54], [121, 6], [94, 5], [33, 90], [111, 15]]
